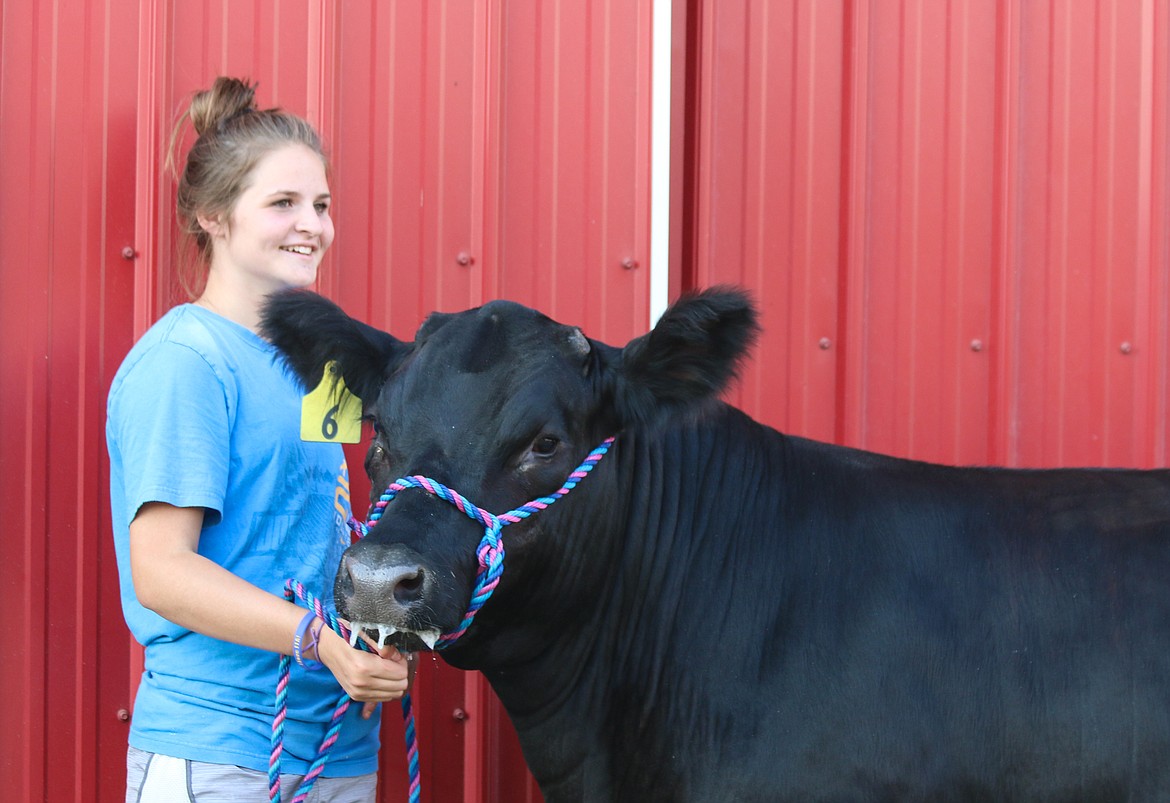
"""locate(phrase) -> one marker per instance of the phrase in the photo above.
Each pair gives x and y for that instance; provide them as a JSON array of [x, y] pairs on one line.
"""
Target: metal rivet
[[123, 715], [464, 258], [1126, 347], [128, 252], [460, 715], [629, 263], [824, 343], [976, 345]]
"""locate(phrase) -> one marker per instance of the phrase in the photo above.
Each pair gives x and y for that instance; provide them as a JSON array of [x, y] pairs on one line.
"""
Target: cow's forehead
[[481, 362], [487, 338]]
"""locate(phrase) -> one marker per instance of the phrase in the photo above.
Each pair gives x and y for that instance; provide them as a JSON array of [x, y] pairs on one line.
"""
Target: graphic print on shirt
[[306, 543]]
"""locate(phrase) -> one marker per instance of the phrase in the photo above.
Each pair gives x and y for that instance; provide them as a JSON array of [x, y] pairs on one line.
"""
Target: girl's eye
[[545, 446], [283, 203], [321, 207]]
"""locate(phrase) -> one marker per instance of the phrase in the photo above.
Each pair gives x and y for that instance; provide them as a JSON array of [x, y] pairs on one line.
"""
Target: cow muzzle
[[384, 591]]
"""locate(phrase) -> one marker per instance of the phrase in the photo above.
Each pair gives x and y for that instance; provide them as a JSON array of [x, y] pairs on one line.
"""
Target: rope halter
[[490, 552]]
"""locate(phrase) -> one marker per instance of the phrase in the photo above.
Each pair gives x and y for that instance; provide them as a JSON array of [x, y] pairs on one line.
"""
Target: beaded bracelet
[[303, 640]]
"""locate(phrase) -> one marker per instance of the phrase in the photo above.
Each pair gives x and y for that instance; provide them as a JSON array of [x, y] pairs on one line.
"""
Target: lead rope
[[293, 588], [490, 555]]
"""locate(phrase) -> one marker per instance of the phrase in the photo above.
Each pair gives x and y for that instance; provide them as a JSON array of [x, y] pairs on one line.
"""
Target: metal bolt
[[128, 252], [464, 258], [1126, 347], [123, 715], [629, 263], [825, 343], [460, 715], [976, 345]]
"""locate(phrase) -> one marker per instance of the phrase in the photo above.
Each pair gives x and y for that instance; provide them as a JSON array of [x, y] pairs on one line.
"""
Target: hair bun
[[227, 98]]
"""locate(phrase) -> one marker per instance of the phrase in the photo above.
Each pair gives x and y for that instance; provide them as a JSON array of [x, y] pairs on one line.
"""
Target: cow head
[[498, 403]]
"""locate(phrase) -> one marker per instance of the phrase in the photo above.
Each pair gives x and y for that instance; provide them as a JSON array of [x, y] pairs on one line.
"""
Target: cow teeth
[[385, 632]]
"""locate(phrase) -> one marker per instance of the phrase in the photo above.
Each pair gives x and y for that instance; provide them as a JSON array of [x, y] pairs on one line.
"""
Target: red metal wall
[[67, 122], [954, 215]]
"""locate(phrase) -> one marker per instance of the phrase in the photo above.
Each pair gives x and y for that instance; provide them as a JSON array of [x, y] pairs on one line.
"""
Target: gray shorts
[[154, 778]]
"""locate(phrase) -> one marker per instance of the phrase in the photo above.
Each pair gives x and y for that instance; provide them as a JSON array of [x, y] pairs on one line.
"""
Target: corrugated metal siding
[[1091, 243], [67, 153], [286, 47], [494, 150], [767, 173], [955, 216], [413, 88], [927, 215], [575, 194]]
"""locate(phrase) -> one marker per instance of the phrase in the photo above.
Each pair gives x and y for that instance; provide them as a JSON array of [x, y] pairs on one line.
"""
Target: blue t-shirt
[[202, 414]]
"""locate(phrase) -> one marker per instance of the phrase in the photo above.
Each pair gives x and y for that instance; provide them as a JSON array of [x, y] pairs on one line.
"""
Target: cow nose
[[408, 586], [403, 581]]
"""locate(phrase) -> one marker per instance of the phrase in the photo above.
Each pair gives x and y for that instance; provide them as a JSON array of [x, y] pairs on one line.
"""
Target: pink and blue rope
[[293, 588]]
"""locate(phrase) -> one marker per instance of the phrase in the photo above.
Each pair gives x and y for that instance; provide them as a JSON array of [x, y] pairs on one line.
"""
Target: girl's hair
[[233, 136]]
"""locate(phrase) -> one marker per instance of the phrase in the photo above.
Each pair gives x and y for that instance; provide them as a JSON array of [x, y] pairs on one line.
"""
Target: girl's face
[[279, 229]]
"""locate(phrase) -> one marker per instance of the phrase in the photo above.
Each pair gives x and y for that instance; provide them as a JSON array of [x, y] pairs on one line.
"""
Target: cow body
[[724, 612]]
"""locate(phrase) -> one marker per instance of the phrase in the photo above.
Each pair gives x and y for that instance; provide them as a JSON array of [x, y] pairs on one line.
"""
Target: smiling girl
[[215, 499]]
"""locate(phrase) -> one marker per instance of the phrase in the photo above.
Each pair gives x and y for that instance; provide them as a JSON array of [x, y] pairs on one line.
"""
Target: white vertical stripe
[[660, 159], [165, 781]]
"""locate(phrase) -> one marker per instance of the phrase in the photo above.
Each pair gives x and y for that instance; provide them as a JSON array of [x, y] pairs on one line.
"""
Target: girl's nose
[[309, 220]]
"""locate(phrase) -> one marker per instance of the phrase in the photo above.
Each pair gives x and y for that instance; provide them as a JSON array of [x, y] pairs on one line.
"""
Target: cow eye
[[545, 446]]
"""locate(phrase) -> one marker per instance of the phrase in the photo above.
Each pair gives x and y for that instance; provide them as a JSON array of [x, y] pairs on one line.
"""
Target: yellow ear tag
[[330, 413]]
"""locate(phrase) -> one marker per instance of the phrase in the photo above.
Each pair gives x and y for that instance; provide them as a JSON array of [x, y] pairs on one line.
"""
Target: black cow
[[721, 612]]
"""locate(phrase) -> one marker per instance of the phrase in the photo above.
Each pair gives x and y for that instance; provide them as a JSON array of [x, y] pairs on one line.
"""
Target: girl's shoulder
[[189, 337], [205, 332]]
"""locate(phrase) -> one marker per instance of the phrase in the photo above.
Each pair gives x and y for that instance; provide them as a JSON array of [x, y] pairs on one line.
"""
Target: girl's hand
[[369, 678]]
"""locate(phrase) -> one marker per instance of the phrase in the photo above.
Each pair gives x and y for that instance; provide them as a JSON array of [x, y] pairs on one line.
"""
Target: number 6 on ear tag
[[330, 413]]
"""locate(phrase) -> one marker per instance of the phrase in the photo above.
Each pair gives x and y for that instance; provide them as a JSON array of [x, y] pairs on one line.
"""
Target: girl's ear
[[212, 224]]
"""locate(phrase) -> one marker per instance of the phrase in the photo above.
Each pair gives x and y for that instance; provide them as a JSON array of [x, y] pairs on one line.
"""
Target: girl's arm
[[172, 579]]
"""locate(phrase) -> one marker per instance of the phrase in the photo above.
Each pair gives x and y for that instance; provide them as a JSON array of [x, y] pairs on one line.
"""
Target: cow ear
[[310, 331], [690, 355]]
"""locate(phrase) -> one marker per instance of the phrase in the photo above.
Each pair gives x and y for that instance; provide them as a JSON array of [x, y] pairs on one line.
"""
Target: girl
[[216, 501]]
